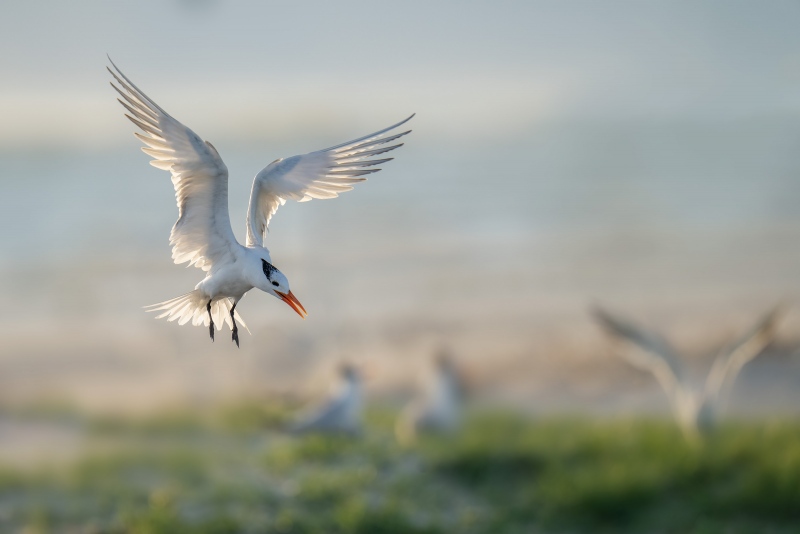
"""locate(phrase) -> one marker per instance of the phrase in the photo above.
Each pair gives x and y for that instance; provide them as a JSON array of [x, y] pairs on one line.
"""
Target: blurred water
[[556, 178], [473, 243]]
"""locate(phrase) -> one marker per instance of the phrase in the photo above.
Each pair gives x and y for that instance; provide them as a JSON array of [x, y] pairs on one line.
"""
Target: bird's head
[[275, 283], [349, 372]]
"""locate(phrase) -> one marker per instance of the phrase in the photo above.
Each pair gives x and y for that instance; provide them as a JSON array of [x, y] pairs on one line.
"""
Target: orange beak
[[292, 301]]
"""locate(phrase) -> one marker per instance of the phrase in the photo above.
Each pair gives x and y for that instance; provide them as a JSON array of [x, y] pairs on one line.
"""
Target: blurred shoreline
[[693, 231]]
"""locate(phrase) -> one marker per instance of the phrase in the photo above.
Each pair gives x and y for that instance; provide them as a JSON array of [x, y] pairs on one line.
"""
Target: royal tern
[[694, 410], [202, 234], [341, 413], [438, 409]]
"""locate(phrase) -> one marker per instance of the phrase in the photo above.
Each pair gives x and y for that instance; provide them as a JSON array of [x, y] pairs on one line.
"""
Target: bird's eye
[[276, 284]]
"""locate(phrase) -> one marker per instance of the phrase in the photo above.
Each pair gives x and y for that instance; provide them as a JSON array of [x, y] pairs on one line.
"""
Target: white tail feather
[[192, 307]]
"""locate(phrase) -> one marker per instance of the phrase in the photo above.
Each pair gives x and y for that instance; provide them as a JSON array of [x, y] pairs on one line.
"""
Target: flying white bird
[[341, 413], [202, 234], [438, 410], [694, 410]]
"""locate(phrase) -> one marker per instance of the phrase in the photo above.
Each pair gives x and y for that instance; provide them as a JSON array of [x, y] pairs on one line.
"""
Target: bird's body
[[694, 410], [438, 409], [202, 235], [341, 413]]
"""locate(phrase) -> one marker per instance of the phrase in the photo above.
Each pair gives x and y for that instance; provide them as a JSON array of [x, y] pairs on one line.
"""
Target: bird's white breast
[[228, 281]]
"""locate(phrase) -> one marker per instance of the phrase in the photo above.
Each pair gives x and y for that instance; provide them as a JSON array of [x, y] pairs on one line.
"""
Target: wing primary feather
[[352, 173], [147, 128], [158, 152], [136, 98], [139, 115], [370, 136], [340, 181], [373, 142], [316, 192], [155, 143], [368, 163], [367, 153], [162, 164], [341, 188], [132, 101], [138, 91]]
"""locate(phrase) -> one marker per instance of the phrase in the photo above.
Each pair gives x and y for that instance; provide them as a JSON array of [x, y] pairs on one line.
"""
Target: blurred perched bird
[[341, 413], [203, 236], [438, 409], [694, 410]]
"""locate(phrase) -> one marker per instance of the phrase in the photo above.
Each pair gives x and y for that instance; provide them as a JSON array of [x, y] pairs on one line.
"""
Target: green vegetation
[[235, 471]]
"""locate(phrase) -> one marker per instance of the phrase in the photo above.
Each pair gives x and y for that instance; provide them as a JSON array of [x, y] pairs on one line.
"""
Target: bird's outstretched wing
[[202, 234], [655, 355], [321, 174], [731, 359]]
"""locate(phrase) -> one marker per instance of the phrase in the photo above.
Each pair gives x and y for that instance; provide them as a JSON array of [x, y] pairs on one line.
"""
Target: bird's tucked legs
[[235, 334], [211, 321]]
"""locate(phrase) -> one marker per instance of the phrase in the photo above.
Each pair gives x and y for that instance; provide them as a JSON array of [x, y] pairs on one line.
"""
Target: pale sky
[[253, 68]]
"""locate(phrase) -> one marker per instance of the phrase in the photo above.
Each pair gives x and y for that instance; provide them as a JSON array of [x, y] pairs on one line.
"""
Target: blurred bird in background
[[438, 409], [695, 411], [342, 412]]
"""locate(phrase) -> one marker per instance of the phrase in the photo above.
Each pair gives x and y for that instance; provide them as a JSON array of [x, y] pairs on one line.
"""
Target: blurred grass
[[234, 471]]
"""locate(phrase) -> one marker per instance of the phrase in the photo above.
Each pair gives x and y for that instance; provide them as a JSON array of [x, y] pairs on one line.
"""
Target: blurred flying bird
[[438, 409], [202, 234], [341, 412], [693, 410]]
